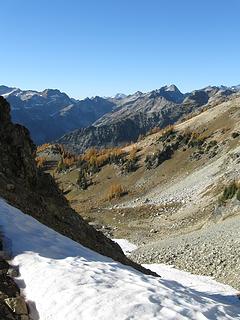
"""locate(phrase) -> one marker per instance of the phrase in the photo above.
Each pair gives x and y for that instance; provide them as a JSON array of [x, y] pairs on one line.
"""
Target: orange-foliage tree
[[115, 191]]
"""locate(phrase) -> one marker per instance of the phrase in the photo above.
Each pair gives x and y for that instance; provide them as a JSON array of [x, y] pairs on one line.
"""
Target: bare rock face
[[12, 305], [16, 148], [37, 194], [4, 112], [17, 305]]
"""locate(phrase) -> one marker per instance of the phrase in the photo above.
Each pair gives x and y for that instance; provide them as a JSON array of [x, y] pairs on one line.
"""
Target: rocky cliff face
[[17, 149], [35, 193]]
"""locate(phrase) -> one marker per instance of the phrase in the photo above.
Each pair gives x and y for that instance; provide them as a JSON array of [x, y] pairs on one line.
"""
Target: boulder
[[17, 305]]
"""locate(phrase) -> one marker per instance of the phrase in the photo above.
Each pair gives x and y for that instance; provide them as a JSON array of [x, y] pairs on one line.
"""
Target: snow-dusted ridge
[[61, 279]]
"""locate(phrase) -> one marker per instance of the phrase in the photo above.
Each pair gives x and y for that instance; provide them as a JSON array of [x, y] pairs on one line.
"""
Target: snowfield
[[63, 280], [127, 247]]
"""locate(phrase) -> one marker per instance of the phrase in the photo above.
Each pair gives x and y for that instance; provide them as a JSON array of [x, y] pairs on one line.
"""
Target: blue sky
[[101, 47]]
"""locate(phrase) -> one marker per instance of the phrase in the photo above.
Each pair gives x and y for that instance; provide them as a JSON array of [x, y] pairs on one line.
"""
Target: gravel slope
[[212, 251]]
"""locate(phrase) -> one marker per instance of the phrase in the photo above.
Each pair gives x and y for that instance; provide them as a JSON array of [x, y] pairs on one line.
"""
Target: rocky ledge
[[12, 304]]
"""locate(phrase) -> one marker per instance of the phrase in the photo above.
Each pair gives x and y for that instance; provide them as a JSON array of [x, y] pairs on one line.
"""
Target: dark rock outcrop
[[12, 305], [17, 149], [36, 193]]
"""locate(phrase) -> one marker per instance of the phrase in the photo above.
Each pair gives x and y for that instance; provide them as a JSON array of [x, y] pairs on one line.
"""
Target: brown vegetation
[[133, 153], [43, 147], [232, 189], [167, 130], [40, 162], [116, 191], [101, 157], [154, 130]]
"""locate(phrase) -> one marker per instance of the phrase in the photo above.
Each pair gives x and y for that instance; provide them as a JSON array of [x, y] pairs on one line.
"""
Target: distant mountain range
[[138, 113], [52, 115]]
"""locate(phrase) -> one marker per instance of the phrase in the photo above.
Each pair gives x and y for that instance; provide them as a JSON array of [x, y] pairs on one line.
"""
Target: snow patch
[[126, 246], [63, 280]]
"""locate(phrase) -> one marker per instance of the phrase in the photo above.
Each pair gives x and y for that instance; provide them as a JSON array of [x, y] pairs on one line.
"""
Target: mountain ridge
[[51, 115], [38, 110], [138, 113]]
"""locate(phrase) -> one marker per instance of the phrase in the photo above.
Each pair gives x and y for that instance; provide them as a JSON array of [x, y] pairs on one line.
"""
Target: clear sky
[[101, 47]]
